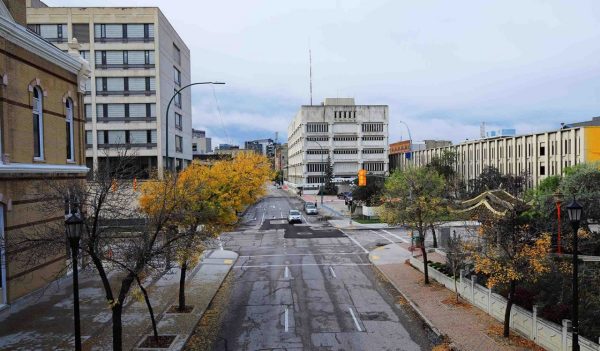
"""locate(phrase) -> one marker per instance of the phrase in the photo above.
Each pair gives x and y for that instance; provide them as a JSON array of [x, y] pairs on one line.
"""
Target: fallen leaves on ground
[[495, 331], [451, 300]]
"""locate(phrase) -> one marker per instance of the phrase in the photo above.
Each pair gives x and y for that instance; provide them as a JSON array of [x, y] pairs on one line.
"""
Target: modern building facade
[[538, 154], [351, 136], [138, 62], [261, 146], [41, 141], [201, 145]]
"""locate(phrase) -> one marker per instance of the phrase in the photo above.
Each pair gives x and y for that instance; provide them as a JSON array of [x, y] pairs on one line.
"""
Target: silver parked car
[[310, 208]]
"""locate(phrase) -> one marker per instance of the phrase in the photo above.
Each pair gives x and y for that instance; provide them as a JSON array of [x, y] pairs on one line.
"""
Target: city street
[[311, 287]]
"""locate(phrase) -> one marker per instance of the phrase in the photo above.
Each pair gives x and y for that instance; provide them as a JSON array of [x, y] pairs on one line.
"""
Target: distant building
[[351, 136], [201, 145], [138, 61], [538, 155], [261, 146], [226, 147], [281, 159], [41, 143]]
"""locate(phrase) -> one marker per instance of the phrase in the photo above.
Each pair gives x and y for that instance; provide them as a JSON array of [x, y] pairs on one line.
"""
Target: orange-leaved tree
[[511, 251]]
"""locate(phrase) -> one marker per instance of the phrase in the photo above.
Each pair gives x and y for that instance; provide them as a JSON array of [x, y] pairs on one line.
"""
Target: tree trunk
[[117, 327], [424, 253], [150, 310], [435, 244], [182, 287], [455, 286], [509, 303]]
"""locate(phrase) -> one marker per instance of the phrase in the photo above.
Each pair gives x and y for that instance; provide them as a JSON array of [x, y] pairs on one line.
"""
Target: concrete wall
[[549, 335]]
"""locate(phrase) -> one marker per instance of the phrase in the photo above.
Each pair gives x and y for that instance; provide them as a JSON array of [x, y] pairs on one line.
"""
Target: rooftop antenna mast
[[310, 72]]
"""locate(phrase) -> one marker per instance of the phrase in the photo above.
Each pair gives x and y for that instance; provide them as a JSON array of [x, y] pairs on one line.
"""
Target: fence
[[547, 334]]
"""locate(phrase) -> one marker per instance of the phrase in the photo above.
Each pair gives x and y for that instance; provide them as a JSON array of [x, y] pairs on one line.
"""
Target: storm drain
[[374, 316]]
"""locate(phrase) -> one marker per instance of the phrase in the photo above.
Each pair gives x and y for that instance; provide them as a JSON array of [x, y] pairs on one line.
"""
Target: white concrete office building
[[352, 136], [138, 61]]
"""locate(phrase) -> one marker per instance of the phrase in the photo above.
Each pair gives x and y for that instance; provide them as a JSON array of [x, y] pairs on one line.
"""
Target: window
[[81, 32], [177, 99], [176, 54], [542, 170], [124, 59], [372, 127], [38, 124], [374, 166], [345, 138], [88, 138], [345, 151], [317, 152], [373, 138], [316, 167], [542, 149], [178, 143], [178, 121], [85, 54], [315, 180], [317, 127], [317, 138], [372, 151], [177, 76], [194, 147], [125, 85], [87, 111], [55, 33], [69, 131], [123, 32]]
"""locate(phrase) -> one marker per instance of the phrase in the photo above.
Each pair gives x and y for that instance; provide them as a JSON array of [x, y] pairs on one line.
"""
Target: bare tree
[[456, 258]]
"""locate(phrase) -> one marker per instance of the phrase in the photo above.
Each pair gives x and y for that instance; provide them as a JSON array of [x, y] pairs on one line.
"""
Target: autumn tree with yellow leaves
[[512, 251], [205, 202]]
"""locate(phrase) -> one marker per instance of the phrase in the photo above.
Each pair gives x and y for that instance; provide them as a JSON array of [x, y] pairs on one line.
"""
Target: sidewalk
[[466, 326], [48, 322]]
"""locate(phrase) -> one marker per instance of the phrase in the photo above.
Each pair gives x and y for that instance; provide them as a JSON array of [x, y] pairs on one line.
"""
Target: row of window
[[374, 166], [38, 126], [344, 114], [346, 138], [123, 58], [317, 152], [122, 137], [372, 127], [121, 111], [529, 150], [122, 85], [345, 151], [102, 32], [317, 127], [316, 167]]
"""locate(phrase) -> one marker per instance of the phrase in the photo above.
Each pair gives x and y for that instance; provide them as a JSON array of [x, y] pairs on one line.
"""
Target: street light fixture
[[575, 211], [558, 199], [73, 229], [167, 114]]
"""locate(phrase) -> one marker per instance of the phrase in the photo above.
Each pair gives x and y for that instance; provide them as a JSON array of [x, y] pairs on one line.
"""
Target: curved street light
[[408, 129], [167, 114]]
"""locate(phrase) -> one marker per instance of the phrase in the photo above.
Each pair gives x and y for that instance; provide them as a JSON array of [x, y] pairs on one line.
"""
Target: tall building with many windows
[[138, 62], [351, 136]]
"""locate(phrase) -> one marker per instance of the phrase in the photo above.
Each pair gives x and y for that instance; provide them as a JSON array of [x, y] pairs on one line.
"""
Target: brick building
[[41, 139]]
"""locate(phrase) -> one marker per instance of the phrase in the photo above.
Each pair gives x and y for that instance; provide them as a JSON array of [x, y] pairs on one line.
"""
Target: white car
[[294, 217]]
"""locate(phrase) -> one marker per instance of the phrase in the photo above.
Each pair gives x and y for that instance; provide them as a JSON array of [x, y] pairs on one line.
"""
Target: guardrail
[[547, 334]]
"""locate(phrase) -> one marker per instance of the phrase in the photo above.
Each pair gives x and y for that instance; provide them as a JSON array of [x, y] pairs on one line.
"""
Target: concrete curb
[[187, 338], [410, 302]]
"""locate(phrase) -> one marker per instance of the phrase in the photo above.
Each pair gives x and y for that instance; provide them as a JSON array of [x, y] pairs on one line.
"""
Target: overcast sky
[[443, 67]]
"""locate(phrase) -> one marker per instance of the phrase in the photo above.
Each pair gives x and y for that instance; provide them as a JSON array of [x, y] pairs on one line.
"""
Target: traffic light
[[362, 177]]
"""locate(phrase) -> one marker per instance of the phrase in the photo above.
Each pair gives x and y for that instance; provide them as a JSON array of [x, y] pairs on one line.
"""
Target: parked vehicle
[[294, 217], [344, 195], [310, 208]]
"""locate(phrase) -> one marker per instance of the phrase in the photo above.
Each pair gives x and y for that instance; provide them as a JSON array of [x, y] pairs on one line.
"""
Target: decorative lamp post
[[73, 229], [575, 210], [558, 199]]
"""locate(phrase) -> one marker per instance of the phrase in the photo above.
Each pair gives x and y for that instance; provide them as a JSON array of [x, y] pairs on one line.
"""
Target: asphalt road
[[311, 287]]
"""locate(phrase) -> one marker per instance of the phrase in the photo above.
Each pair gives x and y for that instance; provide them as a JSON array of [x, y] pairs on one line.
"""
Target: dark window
[[81, 32]]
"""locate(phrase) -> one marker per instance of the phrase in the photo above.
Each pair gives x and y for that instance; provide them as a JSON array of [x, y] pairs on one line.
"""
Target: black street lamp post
[[575, 210], [73, 228], [167, 116]]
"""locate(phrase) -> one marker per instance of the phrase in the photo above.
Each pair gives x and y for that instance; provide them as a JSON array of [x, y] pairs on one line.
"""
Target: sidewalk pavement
[[466, 326], [47, 323]]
